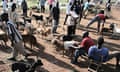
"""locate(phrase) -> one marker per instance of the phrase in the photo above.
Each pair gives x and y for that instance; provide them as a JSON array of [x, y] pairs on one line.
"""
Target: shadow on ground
[[5, 49], [50, 58]]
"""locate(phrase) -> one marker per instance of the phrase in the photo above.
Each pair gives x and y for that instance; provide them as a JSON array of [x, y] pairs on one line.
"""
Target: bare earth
[[54, 61]]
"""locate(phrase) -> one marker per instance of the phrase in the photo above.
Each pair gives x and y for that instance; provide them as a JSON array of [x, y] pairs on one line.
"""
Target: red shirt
[[101, 16], [86, 43]]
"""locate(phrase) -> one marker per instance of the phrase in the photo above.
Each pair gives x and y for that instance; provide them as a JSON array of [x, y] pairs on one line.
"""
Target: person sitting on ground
[[83, 47], [99, 49], [99, 18]]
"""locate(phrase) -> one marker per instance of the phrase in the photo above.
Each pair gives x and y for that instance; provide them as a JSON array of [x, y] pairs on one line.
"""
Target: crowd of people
[[76, 9]]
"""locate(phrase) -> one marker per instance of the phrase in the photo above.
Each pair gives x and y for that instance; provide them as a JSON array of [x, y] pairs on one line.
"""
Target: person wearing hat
[[98, 50], [83, 47]]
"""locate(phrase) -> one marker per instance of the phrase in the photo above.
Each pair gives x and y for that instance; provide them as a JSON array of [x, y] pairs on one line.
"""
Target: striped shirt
[[13, 32]]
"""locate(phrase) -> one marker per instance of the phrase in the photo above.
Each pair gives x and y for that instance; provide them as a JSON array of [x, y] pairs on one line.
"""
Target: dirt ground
[[54, 61]]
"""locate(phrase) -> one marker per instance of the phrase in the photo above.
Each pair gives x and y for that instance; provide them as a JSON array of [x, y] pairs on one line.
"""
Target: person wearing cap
[[95, 52], [99, 18], [83, 47]]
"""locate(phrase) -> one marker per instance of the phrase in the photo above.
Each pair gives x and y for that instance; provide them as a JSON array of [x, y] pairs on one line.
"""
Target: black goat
[[25, 67]]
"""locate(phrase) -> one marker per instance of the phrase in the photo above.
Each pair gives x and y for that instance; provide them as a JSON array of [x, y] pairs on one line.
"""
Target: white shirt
[[70, 19], [68, 44]]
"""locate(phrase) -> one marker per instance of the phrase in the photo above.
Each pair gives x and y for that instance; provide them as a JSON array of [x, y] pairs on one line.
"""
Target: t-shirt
[[86, 43], [68, 44], [101, 16], [4, 4], [95, 53]]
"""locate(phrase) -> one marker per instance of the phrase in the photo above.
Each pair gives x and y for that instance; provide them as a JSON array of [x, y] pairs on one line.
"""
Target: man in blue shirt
[[98, 50]]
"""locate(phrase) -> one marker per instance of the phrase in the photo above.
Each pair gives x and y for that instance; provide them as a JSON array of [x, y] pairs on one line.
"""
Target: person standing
[[83, 47], [85, 9], [71, 23], [50, 4], [73, 17], [69, 5], [55, 13], [24, 7], [19, 2], [16, 38], [4, 5], [9, 8], [97, 51], [42, 4], [13, 16], [108, 9]]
